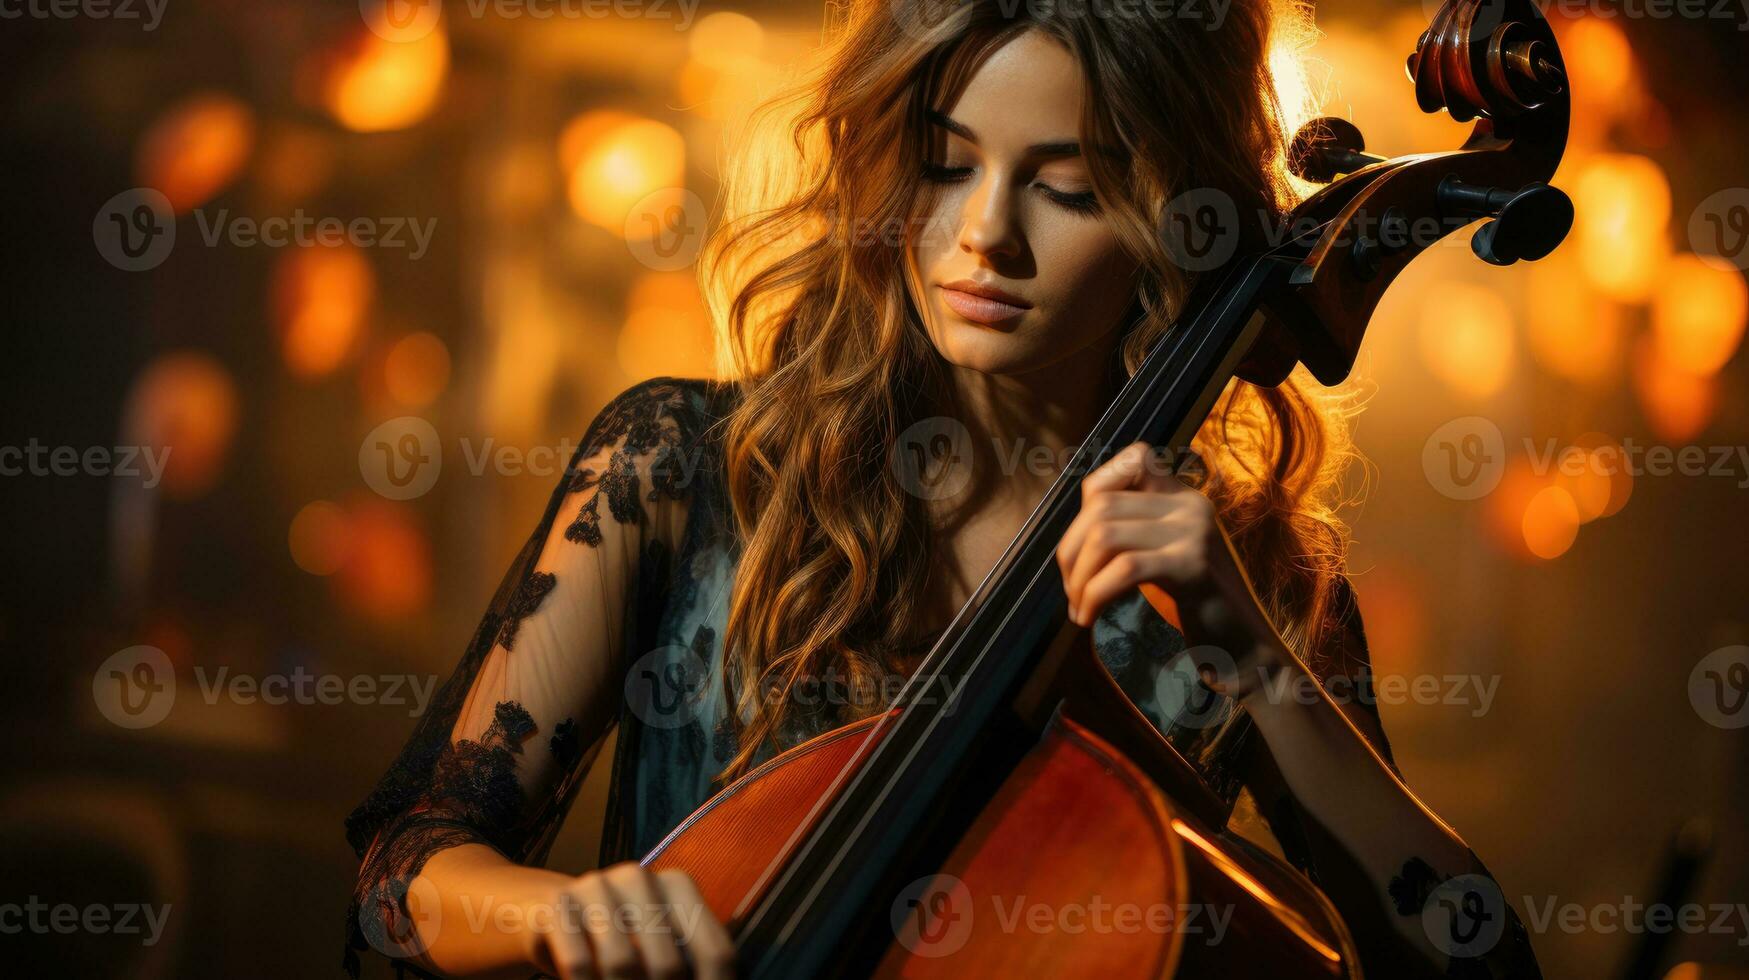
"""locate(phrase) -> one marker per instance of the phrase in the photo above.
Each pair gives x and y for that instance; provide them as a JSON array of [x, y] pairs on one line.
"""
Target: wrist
[[1274, 679]]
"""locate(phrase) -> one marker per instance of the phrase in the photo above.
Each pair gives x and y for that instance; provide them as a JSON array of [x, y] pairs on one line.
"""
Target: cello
[[1011, 764]]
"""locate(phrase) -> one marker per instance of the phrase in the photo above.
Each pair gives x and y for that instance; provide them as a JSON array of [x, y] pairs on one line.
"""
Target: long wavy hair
[[807, 276]]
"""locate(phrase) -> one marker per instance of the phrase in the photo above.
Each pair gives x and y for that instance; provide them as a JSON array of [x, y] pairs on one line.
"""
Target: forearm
[[1397, 852], [487, 907]]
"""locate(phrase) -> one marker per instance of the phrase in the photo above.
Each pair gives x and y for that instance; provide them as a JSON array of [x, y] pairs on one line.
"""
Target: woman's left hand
[[1139, 525]]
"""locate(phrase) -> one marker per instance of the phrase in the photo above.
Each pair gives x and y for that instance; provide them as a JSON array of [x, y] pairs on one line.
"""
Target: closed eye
[[1082, 202], [938, 174]]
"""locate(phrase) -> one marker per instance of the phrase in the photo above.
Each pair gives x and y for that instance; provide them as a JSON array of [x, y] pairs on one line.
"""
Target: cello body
[[1079, 865]]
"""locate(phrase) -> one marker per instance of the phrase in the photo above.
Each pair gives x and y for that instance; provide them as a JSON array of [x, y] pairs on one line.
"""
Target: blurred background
[[521, 197]]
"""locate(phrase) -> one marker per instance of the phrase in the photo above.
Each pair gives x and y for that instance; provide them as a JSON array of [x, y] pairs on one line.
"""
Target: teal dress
[[612, 615]]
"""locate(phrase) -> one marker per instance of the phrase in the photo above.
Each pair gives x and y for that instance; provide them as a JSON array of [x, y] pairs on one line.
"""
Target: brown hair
[[811, 293]]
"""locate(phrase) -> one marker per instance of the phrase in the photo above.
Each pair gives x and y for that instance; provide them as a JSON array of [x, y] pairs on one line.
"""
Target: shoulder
[[646, 455], [660, 413]]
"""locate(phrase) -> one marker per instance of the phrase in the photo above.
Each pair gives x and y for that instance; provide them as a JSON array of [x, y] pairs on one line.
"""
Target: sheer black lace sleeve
[[500, 754]]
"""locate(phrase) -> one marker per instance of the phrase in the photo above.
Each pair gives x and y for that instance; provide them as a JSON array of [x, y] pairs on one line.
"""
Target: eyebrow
[[1064, 148]]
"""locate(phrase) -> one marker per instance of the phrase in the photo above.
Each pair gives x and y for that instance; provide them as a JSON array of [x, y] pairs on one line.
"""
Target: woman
[[730, 568]]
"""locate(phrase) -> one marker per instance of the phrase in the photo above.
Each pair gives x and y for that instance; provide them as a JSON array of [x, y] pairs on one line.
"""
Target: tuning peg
[[1528, 222], [1327, 147], [1391, 237]]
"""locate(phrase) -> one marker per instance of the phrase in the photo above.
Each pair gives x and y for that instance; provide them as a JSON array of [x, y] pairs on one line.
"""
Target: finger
[[566, 948], [634, 887], [703, 935], [1120, 472], [1113, 505], [1103, 544], [615, 956], [1124, 572]]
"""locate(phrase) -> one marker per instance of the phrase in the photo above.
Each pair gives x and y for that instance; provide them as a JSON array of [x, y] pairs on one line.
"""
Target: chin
[[989, 350], [1021, 348]]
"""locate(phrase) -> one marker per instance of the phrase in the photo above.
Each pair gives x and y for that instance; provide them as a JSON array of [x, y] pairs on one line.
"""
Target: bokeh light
[[1572, 330], [726, 71], [319, 538], [614, 162], [1698, 313], [184, 403], [370, 84], [386, 573], [1622, 213], [322, 295], [725, 39], [196, 148], [1532, 515], [1466, 339], [1550, 522], [1678, 403], [416, 369]]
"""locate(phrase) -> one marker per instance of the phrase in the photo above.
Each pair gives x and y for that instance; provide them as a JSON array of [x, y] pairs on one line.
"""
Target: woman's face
[[1008, 210]]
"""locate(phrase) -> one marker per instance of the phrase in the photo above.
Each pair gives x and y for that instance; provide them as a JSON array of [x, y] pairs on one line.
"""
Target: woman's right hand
[[627, 921]]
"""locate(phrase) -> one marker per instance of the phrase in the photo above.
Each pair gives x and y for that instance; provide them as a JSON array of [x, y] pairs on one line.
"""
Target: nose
[[989, 226]]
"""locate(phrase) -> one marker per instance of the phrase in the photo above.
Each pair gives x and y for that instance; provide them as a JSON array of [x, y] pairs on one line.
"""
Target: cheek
[[933, 234], [1084, 270]]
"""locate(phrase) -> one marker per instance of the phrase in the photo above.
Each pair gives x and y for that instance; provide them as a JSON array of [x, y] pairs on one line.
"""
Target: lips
[[982, 304]]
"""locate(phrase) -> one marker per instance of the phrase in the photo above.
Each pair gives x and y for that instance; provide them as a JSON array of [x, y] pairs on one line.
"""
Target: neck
[[1026, 426]]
